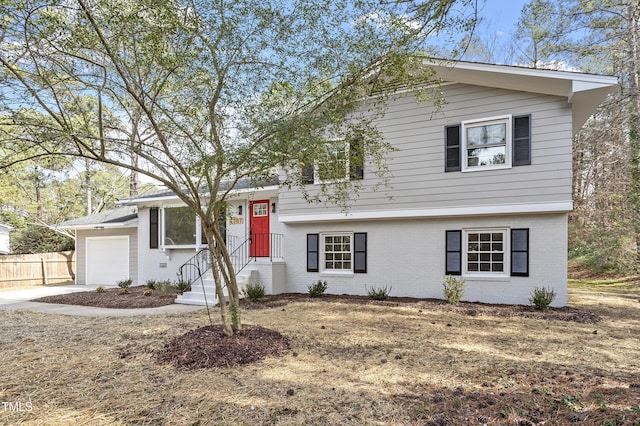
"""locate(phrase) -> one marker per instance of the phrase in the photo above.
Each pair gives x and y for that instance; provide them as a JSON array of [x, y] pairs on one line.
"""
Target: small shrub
[[164, 286], [254, 291], [381, 293], [542, 297], [453, 288], [151, 284], [148, 292], [124, 285], [100, 289], [183, 286], [317, 289]]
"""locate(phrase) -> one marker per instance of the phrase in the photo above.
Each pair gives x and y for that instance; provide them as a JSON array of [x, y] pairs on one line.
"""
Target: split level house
[[480, 188]]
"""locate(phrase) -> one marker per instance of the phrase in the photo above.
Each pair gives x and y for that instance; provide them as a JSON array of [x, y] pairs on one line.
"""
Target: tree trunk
[[223, 275], [87, 186], [633, 65]]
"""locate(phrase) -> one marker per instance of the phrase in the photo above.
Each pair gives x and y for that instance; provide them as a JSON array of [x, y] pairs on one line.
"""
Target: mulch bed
[[112, 298], [208, 347], [464, 308]]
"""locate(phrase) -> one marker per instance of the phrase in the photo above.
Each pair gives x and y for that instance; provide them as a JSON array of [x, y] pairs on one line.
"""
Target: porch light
[[240, 210], [273, 207]]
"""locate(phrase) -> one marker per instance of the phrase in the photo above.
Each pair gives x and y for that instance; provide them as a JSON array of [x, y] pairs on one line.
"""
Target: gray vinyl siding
[[418, 179], [81, 250]]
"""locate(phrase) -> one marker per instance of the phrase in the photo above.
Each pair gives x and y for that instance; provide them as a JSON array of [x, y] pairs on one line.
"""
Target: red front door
[[259, 223]]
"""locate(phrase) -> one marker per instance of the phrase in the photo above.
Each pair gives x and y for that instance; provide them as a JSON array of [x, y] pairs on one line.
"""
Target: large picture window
[[180, 228]]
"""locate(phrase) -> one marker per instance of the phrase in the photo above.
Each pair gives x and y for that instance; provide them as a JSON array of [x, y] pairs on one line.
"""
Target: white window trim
[[506, 249], [322, 259], [507, 120], [198, 231], [316, 168]]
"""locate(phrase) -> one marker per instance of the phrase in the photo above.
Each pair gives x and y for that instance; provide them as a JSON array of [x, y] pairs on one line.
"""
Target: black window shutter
[[312, 252], [454, 253], [308, 173], [520, 252], [452, 148], [153, 227], [522, 140], [360, 252], [356, 159]]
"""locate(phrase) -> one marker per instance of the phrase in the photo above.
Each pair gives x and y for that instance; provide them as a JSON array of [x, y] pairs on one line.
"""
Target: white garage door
[[107, 260]]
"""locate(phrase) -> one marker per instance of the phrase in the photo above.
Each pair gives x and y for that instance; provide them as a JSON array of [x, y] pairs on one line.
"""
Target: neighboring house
[[480, 188], [5, 247]]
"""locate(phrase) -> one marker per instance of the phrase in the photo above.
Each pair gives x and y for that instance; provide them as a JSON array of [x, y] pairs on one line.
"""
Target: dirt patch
[[465, 308], [112, 298], [348, 363], [208, 347]]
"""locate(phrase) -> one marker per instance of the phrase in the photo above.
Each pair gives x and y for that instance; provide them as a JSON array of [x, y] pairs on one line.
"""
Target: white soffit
[[584, 91]]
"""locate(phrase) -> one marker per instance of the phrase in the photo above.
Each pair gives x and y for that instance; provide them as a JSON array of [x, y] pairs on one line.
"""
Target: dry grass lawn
[[348, 364]]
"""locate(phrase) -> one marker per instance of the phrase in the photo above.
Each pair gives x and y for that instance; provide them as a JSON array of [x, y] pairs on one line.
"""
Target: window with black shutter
[[452, 148], [312, 252], [522, 140], [308, 171], [360, 252], [153, 228], [454, 253], [483, 144], [520, 252], [356, 159]]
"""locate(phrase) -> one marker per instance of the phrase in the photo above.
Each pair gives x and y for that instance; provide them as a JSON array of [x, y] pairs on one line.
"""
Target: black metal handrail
[[241, 255], [195, 267]]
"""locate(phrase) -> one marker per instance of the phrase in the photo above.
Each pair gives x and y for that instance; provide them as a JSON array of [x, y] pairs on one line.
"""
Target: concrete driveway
[[20, 299]]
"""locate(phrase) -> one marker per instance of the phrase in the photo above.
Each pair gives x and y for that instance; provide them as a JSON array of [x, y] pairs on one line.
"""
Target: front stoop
[[198, 292]]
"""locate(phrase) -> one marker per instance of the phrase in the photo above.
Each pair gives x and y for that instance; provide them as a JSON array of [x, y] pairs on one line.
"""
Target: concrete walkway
[[20, 299]]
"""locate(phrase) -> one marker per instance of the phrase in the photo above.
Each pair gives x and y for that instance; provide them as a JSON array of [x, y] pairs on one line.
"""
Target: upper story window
[[341, 161], [488, 144], [334, 164]]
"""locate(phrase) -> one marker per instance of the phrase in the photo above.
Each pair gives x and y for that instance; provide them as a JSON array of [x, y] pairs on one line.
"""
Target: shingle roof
[[111, 217], [245, 183]]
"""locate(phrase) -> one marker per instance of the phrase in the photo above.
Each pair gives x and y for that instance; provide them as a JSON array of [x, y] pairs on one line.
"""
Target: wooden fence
[[37, 269]]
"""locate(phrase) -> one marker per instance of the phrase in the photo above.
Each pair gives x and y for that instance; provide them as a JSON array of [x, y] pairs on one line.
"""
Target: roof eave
[[128, 224]]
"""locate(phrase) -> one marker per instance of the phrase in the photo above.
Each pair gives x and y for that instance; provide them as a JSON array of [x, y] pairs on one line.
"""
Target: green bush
[[151, 284], [542, 297], [453, 288], [254, 291], [164, 286], [381, 293], [124, 285], [317, 289], [182, 286]]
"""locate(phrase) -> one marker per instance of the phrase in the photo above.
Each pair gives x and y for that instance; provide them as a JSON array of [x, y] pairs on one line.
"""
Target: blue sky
[[501, 14]]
